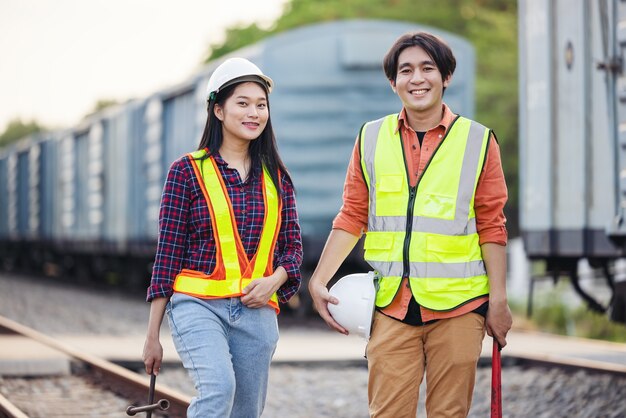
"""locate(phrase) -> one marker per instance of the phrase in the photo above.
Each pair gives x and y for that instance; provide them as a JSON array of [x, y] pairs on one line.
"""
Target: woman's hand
[[152, 355], [258, 293], [152, 350]]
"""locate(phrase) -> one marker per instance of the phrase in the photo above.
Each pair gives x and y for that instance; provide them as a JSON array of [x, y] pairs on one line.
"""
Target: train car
[[572, 146], [26, 209], [108, 171], [4, 207], [3, 192]]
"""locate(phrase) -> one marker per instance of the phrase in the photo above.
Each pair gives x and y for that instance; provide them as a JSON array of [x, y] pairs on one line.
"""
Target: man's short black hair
[[435, 47]]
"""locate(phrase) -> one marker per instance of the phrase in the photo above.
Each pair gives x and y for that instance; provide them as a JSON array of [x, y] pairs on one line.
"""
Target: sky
[[59, 57]]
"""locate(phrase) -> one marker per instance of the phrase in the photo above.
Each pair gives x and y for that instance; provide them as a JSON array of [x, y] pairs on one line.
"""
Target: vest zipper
[[409, 228], [406, 264]]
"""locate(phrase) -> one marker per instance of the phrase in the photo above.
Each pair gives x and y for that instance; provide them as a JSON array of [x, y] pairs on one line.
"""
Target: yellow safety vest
[[233, 270], [425, 233]]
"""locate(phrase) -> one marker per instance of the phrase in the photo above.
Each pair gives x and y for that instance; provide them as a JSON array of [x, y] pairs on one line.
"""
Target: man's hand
[[499, 321], [338, 246], [321, 299], [499, 318]]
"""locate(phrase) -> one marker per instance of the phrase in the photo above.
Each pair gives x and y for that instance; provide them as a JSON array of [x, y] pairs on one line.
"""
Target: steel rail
[[124, 381]]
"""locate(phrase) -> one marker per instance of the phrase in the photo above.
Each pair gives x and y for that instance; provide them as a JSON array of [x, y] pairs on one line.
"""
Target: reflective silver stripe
[[422, 224], [467, 183], [385, 269], [431, 270], [370, 140]]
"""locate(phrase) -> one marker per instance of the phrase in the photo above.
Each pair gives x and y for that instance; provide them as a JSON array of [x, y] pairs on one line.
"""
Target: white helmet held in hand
[[357, 296], [236, 70]]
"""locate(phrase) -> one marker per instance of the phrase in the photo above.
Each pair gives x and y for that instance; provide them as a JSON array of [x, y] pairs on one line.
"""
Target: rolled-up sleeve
[[491, 196], [352, 216], [288, 251], [173, 217]]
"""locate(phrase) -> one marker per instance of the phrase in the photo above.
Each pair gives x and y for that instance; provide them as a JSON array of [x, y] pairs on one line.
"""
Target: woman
[[229, 249]]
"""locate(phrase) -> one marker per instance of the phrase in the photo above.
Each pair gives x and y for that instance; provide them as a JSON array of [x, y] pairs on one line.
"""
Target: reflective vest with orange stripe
[[233, 270]]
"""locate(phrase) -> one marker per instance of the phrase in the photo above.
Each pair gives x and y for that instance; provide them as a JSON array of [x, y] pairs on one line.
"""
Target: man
[[428, 187]]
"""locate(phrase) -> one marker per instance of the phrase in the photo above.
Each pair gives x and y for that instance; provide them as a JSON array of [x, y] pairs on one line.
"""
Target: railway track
[[94, 387], [558, 382], [562, 363]]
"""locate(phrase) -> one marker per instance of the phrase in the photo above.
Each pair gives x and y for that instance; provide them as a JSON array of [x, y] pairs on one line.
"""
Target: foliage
[[100, 105], [552, 314], [17, 130], [491, 26], [236, 38], [594, 325]]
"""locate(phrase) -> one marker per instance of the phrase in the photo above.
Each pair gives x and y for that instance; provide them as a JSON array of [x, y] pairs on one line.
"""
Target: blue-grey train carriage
[[101, 183], [572, 148], [27, 207]]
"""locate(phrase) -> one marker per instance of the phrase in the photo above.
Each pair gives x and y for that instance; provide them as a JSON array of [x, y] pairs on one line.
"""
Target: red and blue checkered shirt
[[186, 238]]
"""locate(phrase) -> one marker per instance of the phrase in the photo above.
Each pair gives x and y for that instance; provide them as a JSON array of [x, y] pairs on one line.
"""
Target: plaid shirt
[[186, 236]]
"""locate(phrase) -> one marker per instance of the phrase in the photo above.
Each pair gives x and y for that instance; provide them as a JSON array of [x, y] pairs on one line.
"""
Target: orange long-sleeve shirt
[[491, 195]]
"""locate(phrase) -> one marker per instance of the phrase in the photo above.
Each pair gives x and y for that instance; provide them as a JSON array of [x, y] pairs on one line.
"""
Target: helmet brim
[[265, 82]]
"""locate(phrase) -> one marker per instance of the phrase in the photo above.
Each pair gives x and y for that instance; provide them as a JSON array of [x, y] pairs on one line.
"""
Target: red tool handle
[[496, 376]]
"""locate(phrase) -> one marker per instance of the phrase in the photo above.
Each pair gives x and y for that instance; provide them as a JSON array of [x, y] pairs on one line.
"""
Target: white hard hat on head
[[357, 296], [236, 70]]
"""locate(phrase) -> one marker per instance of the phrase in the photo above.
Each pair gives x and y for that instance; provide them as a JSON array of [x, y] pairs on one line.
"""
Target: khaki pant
[[398, 354]]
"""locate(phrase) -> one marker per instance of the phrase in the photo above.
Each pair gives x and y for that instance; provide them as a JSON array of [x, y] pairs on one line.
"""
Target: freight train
[[573, 144], [85, 201]]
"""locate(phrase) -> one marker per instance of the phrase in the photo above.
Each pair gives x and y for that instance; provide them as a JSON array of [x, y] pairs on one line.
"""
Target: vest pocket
[[448, 248], [378, 246], [447, 263], [391, 195], [390, 183], [433, 205]]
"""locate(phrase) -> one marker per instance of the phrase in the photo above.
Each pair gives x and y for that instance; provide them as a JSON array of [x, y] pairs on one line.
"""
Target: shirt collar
[[221, 162], [218, 159], [445, 122]]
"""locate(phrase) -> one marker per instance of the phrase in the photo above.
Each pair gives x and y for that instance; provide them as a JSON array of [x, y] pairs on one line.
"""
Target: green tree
[[490, 25], [236, 38], [100, 105], [18, 129]]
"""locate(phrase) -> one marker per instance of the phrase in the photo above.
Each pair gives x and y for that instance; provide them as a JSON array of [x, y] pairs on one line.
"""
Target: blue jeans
[[227, 349]]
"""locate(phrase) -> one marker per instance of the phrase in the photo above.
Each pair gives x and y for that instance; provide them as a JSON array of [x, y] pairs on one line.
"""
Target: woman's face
[[244, 114]]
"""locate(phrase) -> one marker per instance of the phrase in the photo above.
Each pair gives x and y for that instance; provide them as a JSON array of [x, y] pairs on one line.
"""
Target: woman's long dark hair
[[263, 151]]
